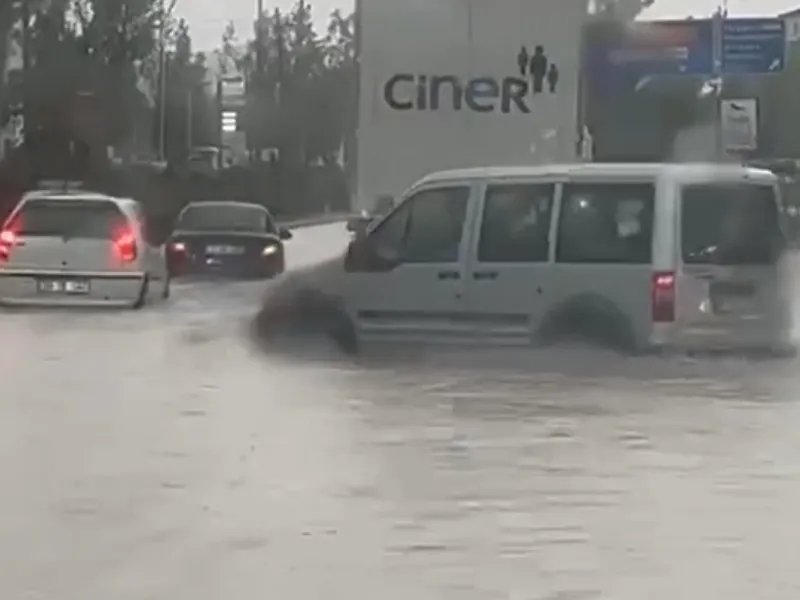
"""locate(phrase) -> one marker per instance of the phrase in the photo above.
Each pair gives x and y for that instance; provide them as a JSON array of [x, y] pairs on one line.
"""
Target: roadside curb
[[322, 219]]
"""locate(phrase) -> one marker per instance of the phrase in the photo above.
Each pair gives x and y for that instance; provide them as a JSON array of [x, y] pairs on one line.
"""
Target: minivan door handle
[[449, 275], [480, 275]]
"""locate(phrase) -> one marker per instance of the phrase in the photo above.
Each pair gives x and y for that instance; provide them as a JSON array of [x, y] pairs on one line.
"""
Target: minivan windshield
[[730, 224], [89, 219]]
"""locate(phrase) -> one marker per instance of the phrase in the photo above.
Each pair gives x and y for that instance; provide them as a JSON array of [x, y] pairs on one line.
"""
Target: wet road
[[158, 455]]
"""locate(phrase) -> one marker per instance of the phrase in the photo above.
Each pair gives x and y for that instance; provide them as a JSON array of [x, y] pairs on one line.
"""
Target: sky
[[207, 18]]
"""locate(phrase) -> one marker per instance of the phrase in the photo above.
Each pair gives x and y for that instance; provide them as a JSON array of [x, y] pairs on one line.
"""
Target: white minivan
[[637, 256]]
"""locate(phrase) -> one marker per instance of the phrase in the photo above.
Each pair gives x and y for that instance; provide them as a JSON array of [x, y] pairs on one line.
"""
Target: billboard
[[647, 48], [459, 83]]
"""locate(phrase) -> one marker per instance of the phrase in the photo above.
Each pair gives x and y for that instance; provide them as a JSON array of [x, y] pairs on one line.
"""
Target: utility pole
[[189, 121], [166, 13], [258, 78], [720, 16], [26, 69], [281, 126]]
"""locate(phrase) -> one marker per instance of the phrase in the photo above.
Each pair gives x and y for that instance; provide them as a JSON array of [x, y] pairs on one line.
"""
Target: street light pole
[[189, 121], [26, 70], [162, 72]]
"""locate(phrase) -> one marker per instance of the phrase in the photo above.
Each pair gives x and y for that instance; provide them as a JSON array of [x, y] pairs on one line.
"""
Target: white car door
[[414, 290], [509, 276]]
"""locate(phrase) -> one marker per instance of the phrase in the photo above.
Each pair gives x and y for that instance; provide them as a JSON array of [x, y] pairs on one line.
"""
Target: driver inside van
[[517, 225]]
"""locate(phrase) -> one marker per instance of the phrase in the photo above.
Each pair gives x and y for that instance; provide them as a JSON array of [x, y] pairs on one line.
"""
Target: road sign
[[232, 92], [739, 125], [229, 120], [753, 46]]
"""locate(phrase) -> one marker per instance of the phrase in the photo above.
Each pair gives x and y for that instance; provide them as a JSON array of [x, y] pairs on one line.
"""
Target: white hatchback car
[[639, 256], [79, 248]]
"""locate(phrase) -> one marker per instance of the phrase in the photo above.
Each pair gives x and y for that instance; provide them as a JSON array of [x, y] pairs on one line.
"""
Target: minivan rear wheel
[[606, 329]]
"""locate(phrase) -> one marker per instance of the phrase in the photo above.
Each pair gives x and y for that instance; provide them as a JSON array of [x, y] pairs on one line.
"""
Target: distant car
[[357, 224], [73, 247], [230, 239]]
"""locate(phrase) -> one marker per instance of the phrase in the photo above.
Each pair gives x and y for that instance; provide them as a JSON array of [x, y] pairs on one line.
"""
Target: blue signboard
[[653, 48], [753, 46]]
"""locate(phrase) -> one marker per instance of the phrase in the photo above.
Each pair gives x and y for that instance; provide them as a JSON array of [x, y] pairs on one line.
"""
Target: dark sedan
[[227, 239]]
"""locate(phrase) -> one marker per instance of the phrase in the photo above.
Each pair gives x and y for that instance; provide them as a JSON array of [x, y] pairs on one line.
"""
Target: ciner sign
[[430, 92]]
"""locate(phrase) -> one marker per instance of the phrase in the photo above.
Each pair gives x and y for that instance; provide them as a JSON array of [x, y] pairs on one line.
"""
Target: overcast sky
[[207, 18]]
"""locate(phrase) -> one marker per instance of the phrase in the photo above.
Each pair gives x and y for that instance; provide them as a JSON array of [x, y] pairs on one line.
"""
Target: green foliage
[[632, 121], [85, 58], [779, 130], [301, 85]]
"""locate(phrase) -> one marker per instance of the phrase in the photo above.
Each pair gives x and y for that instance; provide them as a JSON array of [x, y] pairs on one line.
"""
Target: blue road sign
[[753, 46]]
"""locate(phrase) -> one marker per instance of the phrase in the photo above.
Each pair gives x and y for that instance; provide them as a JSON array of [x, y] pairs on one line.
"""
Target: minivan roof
[[679, 170]]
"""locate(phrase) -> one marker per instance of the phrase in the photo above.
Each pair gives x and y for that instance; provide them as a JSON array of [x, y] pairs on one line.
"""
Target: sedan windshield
[[226, 217]]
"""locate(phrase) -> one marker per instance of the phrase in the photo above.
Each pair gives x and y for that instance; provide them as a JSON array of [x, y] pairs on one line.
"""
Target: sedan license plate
[[63, 286], [224, 250]]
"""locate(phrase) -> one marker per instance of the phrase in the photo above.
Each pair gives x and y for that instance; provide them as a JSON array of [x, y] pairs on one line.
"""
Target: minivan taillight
[[8, 239], [663, 296], [125, 245]]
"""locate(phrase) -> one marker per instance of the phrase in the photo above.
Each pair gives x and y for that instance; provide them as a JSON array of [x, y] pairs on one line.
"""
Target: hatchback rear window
[[730, 224], [77, 218]]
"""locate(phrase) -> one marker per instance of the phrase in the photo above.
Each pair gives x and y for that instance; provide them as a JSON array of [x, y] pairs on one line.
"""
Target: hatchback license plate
[[63, 286], [226, 250]]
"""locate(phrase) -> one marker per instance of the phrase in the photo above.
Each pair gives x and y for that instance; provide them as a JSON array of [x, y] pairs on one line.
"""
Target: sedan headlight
[[269, 251]]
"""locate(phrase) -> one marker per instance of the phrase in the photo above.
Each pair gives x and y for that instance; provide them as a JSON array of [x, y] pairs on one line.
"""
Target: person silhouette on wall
[[538, 69], [552, 78], [522, 60]]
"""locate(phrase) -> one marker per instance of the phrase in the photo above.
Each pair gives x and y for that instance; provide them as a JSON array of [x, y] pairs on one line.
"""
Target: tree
[[8, 18], [84, 65], [779, 131], [190, 114], [301, 86], [229, 57], [632, 118]]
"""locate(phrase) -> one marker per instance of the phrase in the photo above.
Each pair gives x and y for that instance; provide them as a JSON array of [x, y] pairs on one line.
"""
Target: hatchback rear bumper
[[20, 287]]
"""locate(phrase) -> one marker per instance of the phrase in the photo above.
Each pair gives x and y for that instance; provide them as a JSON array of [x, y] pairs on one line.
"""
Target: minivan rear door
[[730, 287], [67, 235]]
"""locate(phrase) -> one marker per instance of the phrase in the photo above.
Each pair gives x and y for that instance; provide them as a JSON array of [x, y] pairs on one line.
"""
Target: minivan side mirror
[[362, 257], [284, 233], [358, 225]]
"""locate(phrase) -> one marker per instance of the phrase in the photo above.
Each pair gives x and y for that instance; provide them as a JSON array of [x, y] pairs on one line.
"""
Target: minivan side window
[[426, 228], [730, 224], [515, 227], [606, 223]]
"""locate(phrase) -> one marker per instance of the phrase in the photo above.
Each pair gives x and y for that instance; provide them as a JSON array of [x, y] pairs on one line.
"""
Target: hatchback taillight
[[663, 296], [126, 247], [8, 239]]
